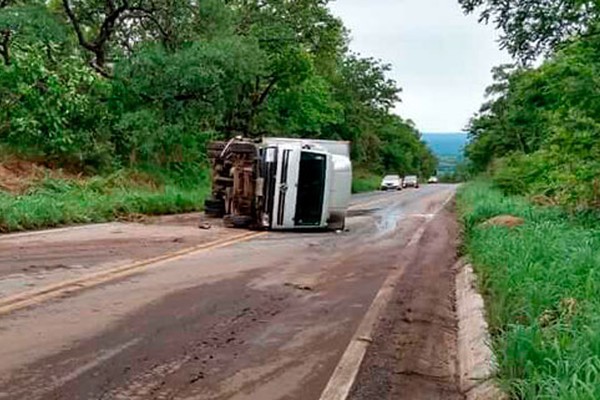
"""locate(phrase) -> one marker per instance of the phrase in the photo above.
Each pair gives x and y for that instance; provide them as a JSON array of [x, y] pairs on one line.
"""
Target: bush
[[55, 110], [364, 181]]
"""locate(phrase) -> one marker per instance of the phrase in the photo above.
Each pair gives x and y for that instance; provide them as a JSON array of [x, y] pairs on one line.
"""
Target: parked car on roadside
[[433, 179], [391, 182], [410, 181]]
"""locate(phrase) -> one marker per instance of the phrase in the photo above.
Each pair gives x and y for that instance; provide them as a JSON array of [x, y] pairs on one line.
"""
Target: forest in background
[[99, 85], [106, 106]]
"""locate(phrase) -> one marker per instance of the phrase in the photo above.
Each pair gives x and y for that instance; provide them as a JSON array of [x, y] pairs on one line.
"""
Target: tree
[[532, 27], [26, 25], [298, 39], [174, 101], [540, 133], [105, 26], [166, 76]]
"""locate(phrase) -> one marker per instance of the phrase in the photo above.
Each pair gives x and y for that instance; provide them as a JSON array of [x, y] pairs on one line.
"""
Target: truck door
[[269, 175], [311, 189], [284, 201]]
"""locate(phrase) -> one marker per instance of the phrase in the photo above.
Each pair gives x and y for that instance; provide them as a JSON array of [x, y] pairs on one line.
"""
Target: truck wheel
[[214, 208], [238, 221], [337, 222], [216, 146], [243, 148]]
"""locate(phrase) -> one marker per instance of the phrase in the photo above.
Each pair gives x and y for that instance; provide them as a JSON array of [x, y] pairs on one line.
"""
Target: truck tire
[[337, 222], [214, 208], [216, 146], [238, 221], [243, 148]]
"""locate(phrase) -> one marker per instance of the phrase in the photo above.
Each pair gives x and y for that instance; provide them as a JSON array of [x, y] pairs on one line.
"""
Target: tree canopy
[[99, 84], [532, 28], [539, 133]]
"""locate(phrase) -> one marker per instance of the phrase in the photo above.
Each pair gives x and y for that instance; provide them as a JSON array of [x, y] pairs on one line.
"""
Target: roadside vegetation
[[537, 141], [539, 132], [541, 283], [124, 194], [365, 181], [106, 87]]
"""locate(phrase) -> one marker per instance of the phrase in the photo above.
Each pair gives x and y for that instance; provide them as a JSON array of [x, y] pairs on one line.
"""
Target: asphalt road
[[217, 314]]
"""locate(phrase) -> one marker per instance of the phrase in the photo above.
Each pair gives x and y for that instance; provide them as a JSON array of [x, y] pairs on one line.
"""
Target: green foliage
[[54, 109], [365, 181], [29, 24], [542, 288], [173, 103], [533, 27], [540, 134], [307, 109], [122, 194], [97, 86]]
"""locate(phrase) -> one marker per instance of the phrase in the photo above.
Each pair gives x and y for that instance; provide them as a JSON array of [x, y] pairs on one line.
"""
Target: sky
[[441, 58]]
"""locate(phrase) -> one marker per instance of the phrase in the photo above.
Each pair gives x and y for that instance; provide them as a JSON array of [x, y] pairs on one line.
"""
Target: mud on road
[[414, 351], [266, 319]]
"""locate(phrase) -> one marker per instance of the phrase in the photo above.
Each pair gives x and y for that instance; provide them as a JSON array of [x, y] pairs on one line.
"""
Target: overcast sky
[[441, 58]]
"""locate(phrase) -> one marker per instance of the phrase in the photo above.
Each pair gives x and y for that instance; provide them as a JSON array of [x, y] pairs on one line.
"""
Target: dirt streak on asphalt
[[414, 352], [267, 319]]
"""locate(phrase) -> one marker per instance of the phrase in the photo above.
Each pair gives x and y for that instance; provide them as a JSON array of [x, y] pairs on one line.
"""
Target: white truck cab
[[295, 183]]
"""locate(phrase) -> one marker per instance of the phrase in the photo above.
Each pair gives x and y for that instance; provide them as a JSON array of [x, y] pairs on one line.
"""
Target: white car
[[433, 179], [391, 182], [410, 181]]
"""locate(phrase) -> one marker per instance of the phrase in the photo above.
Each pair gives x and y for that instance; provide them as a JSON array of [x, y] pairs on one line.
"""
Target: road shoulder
[[414, 353]]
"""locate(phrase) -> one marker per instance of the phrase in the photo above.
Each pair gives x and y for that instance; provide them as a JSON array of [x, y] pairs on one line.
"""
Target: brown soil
[[507, 221], [414, 352], [16, 175]]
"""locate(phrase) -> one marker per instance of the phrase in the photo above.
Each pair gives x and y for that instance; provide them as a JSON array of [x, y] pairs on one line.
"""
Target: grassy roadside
[[541, 282], [53, 202], [364, 181], [61, 199]]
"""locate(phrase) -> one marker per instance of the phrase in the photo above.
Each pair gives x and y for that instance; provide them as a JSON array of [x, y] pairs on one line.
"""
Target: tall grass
[[364, 181], [541, 282], [53, 202]]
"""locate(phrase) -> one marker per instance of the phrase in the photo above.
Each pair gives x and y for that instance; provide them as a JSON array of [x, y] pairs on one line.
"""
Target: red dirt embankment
[[16, 175]]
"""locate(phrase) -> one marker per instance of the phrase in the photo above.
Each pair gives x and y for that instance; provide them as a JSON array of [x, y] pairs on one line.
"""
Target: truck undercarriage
[[279, 183]]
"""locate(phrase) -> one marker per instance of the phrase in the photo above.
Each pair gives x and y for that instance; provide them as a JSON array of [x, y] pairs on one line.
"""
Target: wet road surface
[[264, 318]]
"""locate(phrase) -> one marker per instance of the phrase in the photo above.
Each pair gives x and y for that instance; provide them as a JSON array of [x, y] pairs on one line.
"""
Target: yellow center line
[[25, 299], [36, 296]]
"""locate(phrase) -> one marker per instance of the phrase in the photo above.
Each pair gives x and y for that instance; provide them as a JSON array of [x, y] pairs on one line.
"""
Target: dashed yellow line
[[29, 298]]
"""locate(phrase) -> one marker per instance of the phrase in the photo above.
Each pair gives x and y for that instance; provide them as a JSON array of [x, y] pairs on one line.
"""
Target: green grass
[[365, 182], [55, 202], [541, 282]]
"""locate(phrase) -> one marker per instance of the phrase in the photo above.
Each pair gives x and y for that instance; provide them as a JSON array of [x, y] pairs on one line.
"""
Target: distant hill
[[448, 147], [446, 144]]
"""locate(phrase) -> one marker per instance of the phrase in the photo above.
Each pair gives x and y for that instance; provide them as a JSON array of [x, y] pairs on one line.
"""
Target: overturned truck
[[280, 183]]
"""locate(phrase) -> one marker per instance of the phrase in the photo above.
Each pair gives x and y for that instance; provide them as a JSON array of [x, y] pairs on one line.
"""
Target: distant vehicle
[[433, 179], [391, 182], [410, 181]]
